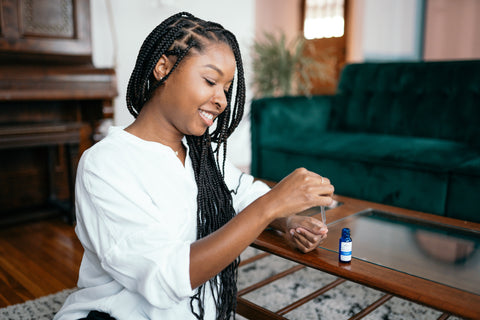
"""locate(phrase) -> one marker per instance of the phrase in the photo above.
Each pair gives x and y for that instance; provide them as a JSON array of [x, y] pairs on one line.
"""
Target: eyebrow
[[211, 66]]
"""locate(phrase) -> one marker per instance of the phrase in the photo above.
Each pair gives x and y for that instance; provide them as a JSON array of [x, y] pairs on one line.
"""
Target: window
[[324, 19]]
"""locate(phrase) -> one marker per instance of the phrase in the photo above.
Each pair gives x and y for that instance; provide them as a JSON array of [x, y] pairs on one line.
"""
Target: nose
[[220, 99]]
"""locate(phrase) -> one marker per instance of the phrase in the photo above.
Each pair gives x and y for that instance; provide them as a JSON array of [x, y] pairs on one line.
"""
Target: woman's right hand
[[300, 190]]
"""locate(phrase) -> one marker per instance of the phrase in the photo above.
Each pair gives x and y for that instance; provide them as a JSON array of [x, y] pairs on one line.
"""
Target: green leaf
[[282, 68]]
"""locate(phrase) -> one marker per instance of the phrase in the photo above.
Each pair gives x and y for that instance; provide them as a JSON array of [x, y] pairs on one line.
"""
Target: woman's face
[[195, 93]]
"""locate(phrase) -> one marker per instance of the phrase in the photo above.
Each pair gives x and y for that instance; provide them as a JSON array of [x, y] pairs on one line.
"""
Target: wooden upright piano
[[53, 105]]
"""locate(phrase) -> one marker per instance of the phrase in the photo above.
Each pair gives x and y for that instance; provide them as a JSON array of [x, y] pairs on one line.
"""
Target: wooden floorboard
[[37, 259]]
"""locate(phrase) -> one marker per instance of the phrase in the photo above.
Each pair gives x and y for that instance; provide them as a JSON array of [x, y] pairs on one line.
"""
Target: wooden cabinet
[[54, 31], [52, 101]]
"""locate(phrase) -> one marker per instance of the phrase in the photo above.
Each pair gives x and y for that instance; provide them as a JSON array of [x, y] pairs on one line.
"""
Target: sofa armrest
[[277, 120]]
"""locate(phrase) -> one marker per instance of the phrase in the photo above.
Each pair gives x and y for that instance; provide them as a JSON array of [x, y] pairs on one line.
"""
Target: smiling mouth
[[207, 117]]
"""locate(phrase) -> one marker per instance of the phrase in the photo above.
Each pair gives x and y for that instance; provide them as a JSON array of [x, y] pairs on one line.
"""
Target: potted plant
[[283, 68]]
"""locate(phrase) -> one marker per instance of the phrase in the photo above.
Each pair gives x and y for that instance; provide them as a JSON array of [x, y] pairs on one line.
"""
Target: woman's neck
[[148, 131]]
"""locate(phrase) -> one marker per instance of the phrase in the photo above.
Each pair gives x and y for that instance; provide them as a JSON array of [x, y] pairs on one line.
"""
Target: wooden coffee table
[[424, 258]]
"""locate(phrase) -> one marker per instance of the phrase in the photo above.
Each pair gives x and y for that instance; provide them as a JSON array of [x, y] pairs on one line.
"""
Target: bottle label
[[345, 251]]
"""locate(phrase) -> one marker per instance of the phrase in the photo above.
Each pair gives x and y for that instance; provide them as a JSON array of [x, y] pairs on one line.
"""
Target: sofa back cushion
[[284, 121], [289, 118], [423, 99]]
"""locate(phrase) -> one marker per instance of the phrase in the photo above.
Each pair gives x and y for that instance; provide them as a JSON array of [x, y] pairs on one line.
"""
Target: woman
[[161, 214]]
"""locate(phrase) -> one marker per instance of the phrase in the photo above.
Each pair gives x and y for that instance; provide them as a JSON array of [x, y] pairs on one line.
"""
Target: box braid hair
[[176, 36]]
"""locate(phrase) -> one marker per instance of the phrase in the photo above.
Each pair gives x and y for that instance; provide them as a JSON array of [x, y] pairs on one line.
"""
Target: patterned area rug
[[43, 308], [342, 302], [339, 303]]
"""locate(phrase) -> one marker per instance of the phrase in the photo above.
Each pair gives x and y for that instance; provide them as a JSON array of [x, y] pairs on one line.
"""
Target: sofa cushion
[[403, 187], [421, 153], [407, 172], [286, 118], [427, 99], [470, 167], [462, 199], [291, 117]]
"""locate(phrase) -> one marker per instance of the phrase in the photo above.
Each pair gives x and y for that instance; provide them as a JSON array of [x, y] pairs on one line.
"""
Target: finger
[[314, 226], [321, 179], [320, 187], [319, 191], [324, 180], [306, 238], [323, 237], [301, 245], [315, 230], [325, 200], [310, 237], [326, 189]]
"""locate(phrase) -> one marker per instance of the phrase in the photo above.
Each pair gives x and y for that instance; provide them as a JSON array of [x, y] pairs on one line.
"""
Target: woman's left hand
[[304, 233]]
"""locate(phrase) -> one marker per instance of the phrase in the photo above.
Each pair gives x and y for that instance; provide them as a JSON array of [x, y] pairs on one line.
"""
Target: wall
[[452, 30], [354, 30], [392, 30], [116, 45], [378, 29], [275, 16]]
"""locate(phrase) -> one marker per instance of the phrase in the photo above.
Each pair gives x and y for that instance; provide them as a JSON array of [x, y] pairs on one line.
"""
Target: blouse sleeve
[[135, 244]]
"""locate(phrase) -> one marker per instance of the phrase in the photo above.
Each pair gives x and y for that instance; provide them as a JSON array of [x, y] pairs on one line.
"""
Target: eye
[[210, 82], [213, 83]]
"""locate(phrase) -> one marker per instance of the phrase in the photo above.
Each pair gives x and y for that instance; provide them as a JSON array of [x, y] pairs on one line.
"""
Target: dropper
[[324, 217]]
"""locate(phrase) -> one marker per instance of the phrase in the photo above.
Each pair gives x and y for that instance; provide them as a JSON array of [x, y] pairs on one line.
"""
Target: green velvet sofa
[[405, 134]]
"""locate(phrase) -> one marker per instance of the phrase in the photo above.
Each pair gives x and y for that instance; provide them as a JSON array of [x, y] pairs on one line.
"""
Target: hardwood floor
[[37, 259]]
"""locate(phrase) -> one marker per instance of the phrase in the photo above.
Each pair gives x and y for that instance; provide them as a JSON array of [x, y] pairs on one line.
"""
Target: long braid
[[176, 36]]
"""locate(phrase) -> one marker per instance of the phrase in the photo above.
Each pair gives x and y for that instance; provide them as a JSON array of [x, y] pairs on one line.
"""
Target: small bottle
[[345, 246]]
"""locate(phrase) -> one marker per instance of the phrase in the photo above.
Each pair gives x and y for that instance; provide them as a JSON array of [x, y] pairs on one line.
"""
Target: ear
[[162, 68]]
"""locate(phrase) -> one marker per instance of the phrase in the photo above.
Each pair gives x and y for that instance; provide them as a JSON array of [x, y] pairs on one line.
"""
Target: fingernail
[[292, 232]]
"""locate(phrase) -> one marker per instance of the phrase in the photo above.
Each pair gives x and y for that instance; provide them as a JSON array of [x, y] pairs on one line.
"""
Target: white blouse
[[136, 212]]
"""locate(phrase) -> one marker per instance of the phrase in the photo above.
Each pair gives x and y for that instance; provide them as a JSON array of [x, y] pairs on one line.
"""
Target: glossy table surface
[[433, 251], [421, 257]]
